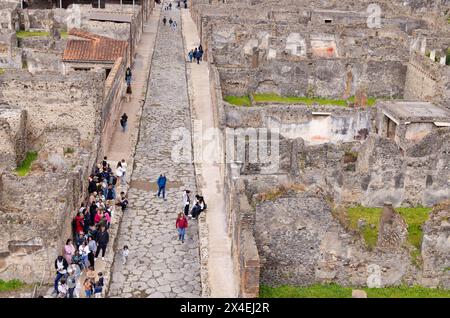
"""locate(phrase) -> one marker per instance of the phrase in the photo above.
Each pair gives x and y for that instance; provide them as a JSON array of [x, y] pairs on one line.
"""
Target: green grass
[[337, 291], [25, 165], [372, 217], [63, 34], [29, 34], [274, 98], [264, 98], [68, 150], [10, 285], [414, 217], [370, 100], [238, 100]]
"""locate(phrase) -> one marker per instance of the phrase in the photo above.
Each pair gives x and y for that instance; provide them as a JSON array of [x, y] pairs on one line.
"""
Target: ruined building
[[60, 93], [287, 221]]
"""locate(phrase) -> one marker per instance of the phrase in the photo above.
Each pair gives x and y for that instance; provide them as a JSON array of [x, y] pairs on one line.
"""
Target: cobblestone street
[[158, 264]]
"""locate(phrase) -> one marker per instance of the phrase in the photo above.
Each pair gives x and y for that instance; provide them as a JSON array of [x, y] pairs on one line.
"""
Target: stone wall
[[238, 211], [427, 80], [56, 101], [240, 223], [36, 216], [10, 54], [115, 90], [43, 54], [316, 125], [12, 137], [436, 249], [301, 243], [9, 18]]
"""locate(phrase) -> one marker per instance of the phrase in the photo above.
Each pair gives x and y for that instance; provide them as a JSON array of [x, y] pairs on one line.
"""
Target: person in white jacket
[[186, 201]]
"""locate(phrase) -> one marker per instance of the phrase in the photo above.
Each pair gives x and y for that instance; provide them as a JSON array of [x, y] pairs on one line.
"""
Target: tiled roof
[[93, 47]]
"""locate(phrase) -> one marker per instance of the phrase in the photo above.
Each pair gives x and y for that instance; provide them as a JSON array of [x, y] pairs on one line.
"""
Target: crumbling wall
[[43, 54], [436, 248], [56, 101], [12, 137], [35, 217], [300, 243], [427, 80], [115, 90], [316, 125]]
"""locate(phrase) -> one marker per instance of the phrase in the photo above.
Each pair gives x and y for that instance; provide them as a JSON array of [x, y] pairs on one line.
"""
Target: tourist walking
[[102, 241], [164, 20], [170, 21], [125, 253], [128, 76], [200, 50], [162, 186], [186, 201], [174, 25], [190, 56], [124, 121], [181, 225], [119, 171], [61, 271], [124, 170]]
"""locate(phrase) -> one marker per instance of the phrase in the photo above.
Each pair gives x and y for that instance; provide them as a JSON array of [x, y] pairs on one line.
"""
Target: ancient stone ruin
[[332, 121]]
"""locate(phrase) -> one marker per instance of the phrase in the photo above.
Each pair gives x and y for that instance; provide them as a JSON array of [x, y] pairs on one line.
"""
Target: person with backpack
[[61, 271], [181, 225], [196, 209], [123, 121]]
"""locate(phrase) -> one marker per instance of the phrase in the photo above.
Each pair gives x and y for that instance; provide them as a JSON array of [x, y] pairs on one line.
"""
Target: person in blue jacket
[[162, 186]]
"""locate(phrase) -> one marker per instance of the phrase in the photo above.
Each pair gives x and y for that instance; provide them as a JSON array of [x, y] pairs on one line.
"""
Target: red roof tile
[[93, 48]]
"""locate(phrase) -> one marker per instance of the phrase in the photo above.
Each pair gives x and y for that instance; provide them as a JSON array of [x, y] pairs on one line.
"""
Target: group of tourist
[[90, 232], [182, 219], [196, 54], [172, 23]]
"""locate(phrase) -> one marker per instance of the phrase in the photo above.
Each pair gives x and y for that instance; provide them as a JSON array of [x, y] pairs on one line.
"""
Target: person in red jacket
[[181, 226], [79, 222]]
